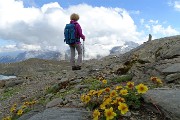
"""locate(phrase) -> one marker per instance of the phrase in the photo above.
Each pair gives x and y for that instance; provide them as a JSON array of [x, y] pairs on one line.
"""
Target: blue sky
[[38, 24]]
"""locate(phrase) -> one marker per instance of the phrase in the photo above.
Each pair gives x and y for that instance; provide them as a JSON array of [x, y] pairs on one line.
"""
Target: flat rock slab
[[168, 100], [56, 113], [174, 68]]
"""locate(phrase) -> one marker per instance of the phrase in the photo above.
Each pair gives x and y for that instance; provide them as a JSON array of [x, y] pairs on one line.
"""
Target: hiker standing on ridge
[[73, 40]]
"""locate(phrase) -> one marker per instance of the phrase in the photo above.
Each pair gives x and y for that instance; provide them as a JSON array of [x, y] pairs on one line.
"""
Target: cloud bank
[[42, 28]]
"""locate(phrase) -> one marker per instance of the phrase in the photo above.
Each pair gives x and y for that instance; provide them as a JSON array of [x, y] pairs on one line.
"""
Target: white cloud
[[148, 27], [177, 5], [168, 31], [42, 28], [153, 21], [159, 29]]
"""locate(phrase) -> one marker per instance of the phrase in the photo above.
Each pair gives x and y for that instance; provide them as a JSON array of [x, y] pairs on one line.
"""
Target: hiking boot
[[73, 67], [78, 67]]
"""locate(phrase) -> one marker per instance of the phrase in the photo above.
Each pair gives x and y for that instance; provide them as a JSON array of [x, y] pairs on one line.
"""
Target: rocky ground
[[58, 89]]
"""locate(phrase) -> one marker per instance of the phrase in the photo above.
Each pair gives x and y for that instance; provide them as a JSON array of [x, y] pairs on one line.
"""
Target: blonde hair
[[74, 16]]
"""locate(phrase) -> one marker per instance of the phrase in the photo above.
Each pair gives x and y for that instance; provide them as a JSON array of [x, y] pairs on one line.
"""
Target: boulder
[[62, 114], [167, 100]]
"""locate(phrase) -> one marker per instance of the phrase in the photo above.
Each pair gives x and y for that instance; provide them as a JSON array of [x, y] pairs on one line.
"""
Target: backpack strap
[[76, 33]]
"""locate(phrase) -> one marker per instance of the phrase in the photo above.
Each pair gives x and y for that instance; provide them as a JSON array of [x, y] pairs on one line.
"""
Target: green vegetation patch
[[122, 78], [9, 92], [93, 83], [65, 93]]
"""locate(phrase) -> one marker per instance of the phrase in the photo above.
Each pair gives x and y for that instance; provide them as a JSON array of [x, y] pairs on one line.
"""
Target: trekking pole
[[83, 50]]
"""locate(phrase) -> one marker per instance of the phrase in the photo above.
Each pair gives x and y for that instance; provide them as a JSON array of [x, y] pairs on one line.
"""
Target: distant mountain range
[[129, 45], [49, 55], [56, 55]]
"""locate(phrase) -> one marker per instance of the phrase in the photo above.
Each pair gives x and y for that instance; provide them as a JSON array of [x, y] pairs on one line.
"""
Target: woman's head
[[74, 16]]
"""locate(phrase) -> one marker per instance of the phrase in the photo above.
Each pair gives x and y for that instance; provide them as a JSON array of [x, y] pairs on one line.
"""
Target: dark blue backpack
[[69, 34]]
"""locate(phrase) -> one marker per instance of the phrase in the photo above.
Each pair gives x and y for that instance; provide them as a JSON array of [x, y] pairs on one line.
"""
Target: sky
[[39, 24]]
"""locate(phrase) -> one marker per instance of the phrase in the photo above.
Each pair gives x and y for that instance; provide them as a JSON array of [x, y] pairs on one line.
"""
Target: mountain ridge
[[157, 58]]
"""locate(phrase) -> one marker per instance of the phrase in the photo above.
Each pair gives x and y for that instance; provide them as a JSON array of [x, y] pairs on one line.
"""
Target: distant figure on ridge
[[72, 34], [150, 37]]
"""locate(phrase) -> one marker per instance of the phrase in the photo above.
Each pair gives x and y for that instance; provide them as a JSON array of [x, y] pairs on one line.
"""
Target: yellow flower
[[107, 89], [123, 108], [82, 98], [91, 92], [113, 93], [96, 114], [109, 114], [100, 92], [153, 79], [130, 85], [103, 106], [13, 109], [105, 97], [7, 118], [142, 88], [123, 92], [108, 101], [120, 99], [23, 106], [118, 87], [104, 81], [114, 102], [159, 81], [156, 80], [20, 111], [87, 98], [26, 103]]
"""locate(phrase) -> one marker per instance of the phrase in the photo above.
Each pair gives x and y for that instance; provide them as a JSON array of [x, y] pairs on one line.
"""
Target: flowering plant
[[110, 103], [16, 112]]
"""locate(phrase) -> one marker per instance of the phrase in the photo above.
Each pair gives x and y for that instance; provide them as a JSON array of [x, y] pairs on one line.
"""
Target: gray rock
[[172, 77], [174, 68], [28, 115], [54, 102], [167, 100], [13, 83], [62, 114]]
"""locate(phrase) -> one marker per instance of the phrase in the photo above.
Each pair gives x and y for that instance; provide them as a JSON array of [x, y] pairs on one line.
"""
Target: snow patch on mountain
[[57, 55]]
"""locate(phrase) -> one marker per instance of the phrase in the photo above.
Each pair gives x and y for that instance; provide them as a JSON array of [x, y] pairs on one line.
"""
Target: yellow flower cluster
[[20, 110], [110, 100]]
